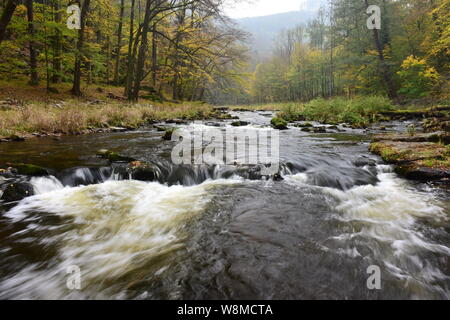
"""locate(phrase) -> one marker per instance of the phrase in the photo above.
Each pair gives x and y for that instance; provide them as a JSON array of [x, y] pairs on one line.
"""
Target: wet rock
[[306, 129], [142, 171], [243, 110], [425, 161], [16, 138], [304, 125], [440, 136], [113, 156], [168, 132], [319, 130], [226, 116], [28, 169], [424, 174], [279, 124], [364, 161], [213, 124], [15, 190], [240, 123], [118, 129], [341, 178]]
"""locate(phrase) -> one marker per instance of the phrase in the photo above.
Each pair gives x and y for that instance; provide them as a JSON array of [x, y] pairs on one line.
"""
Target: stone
[[240, 123], [142, 171], [16, 191], [28, 169], [279, 124]]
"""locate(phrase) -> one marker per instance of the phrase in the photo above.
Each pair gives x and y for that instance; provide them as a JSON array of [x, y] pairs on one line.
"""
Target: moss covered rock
[[425, 161], [240, 123], [28, 169], [279, 123], [113, 156]]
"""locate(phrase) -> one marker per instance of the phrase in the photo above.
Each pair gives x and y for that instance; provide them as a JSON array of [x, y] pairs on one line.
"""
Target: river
[[212, 232]]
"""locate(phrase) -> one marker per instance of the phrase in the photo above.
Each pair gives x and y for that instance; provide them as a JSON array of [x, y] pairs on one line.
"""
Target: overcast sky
[[265, 7]]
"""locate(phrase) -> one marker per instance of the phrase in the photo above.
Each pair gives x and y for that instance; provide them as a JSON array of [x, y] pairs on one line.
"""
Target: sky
[[264, 8]]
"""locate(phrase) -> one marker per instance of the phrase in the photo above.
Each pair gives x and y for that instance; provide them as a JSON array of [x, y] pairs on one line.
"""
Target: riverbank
[[72, 117], [33, 111], [422, 157]]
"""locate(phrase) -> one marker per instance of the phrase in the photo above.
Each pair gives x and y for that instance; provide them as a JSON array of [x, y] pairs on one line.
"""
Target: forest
[[151, 150], [175, 48], [336, 54], [190, 50]]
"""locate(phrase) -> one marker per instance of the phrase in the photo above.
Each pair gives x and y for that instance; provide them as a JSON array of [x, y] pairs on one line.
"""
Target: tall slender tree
[[76, 89]]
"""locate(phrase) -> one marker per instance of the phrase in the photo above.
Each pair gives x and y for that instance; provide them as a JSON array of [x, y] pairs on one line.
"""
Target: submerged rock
[[240, 123], [113, 156], [28, 169]]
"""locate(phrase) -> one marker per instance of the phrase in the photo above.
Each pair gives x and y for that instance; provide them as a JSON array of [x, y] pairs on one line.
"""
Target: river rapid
[[215, 232]]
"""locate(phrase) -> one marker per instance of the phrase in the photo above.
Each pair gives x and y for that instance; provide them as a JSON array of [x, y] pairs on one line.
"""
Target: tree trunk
[[139, 70], [154, 56], [76, 89], [6, 17], [57, 45], [392, 93], [34, 80], [130, 66], [119, 43], [178, 38]]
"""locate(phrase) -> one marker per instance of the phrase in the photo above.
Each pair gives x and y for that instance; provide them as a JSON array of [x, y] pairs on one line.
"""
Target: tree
[[5, 18], [31, 45], [385, 70], [76, 89], [119, 43]]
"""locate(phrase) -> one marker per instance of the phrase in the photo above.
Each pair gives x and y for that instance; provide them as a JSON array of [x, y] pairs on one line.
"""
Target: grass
[[74, 116], [359, 111], [425, 154], [276, 106], [31, 109]]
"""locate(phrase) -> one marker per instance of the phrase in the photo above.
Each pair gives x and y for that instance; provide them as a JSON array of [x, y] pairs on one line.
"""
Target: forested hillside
[[264, 30], [154, 49], [336, 54]]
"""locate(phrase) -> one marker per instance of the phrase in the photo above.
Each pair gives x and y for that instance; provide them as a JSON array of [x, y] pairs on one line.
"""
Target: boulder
[[240, 123], [168, 132], [28, 169], [279, 124], [142, 171], [113, 156], [15, 190]]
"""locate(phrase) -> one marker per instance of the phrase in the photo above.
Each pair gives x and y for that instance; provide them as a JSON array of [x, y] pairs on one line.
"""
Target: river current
[[216, 232]]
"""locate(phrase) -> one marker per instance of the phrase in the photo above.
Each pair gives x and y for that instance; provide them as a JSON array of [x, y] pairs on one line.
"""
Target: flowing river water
[[213, 232]]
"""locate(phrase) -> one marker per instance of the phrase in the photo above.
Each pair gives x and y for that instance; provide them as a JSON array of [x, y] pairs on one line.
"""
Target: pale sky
[[265, 7]]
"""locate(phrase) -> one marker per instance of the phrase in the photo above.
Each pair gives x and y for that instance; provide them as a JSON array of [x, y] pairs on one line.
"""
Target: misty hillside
[[264, 29]]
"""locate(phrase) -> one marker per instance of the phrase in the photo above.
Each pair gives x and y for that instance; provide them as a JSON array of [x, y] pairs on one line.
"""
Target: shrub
[[417, 78]]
